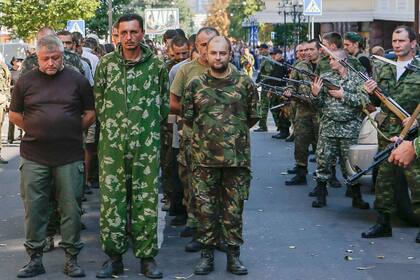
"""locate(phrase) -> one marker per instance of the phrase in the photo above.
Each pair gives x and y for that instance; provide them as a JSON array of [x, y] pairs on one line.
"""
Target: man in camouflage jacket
[[341, 119], [131, 93], [220, 106], [404, 87], [5, 80]]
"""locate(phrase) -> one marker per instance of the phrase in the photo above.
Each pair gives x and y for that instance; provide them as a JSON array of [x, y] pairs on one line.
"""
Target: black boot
[[293, 170], [321, 195], [33, 268], [149, 268], [206, 264], [418, 237], [358, 201], [49, 244], [234, 264], [333, 181], [382, 228], [193, 246], [300, 178], [188, 232], [113, 266], [71, 268], [348, 191], [313, 192], [222, 246]]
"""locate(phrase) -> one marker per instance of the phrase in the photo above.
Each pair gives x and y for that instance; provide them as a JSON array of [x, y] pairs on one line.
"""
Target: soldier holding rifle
[[403, 85]]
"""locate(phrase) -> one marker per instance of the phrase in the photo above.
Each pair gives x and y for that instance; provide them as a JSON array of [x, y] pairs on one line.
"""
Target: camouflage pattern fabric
[[247, 62], [406, 92], [324, 65], [264, 104], [340, 123], [218, 110], [189, 202], [417, 146], [306, 123], [132, 103], [70, 59], [220, 202]]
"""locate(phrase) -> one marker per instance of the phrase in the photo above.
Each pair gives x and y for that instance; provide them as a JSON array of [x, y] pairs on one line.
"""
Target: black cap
[[276, 51], [263, 46]]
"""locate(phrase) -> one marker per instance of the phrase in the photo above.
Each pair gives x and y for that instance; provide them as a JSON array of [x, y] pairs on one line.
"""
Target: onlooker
[[5, 80], [52, 98], [16, 63]]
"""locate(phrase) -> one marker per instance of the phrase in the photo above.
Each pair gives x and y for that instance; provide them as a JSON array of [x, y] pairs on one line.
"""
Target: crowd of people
[[131, 116]]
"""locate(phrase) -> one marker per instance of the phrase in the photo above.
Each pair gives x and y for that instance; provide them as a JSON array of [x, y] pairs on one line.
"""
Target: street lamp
[[293, 9]]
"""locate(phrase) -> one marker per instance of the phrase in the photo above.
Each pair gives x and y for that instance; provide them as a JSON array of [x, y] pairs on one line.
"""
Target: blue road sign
[[312, 7], [76, 26]]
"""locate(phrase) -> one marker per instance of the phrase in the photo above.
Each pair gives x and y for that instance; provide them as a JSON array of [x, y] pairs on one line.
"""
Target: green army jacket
[[5, 80], [341, 117], [219, 110]]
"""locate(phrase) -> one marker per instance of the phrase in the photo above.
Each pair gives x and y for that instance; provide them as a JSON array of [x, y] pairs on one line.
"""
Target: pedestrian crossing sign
[[76, 26], [312, 7]]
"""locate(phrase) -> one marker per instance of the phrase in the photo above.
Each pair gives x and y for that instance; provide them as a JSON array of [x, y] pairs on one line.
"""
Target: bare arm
[[16, 118], [88, 118], [175, 104]]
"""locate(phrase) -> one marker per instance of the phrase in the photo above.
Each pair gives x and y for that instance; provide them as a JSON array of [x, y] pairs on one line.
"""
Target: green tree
[[218, 17], [238, 10], [99, 23], [291, 34], [25, 17]]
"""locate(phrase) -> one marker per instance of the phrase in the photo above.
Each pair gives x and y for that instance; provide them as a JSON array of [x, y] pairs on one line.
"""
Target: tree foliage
[[99, 23], [25, 17], [238, 10], [292, 35], [218, 17]]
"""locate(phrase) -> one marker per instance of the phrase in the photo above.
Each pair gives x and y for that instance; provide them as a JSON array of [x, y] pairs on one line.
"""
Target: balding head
[[45, 31], [378, 50], [218, 54], [223, 41]]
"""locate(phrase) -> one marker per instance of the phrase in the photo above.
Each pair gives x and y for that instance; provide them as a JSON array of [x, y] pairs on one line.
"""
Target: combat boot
[[193, 246], [206, 263], [33, 268], [333, 181], [299, 178], [321, 195], [149, 268], [418, 237], [348, 192], [113, 266], [382, 228], [313, 192], [234, 264], [49, 244], [358, 201], [71, 267]]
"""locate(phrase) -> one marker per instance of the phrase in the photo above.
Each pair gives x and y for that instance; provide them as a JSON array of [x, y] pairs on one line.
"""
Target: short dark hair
[[181, 32], [77, 37], [64, 33], [208, 30], [130, 17], [191, 40], [178, 41], [318, 46], [334, 38], [169, 34], [410, 31]]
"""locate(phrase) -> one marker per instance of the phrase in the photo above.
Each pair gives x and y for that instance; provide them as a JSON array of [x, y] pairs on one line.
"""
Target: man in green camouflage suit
[[131, 93], [5, 80], [333, 41], [306, 119], [183, 76], [264, 104], [340, 124], [404, 87], [220, 106]]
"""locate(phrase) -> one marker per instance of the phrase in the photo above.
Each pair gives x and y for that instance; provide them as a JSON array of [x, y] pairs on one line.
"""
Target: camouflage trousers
[[306, 133], [281, 121], [389, 176], [263, 107], [219, 196], [328, 149], [128, 198], [2, 115], [166, 161], [185, 173]]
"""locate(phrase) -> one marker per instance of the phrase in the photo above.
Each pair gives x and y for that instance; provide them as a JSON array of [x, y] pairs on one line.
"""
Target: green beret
[[353, 36]]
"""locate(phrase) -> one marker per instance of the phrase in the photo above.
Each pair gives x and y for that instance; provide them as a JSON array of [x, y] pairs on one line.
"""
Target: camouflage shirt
[[405, 91], [218, 110], [324, 65], [417, 145], [71, 60], [265, 69], [5, 80], [341, 117]]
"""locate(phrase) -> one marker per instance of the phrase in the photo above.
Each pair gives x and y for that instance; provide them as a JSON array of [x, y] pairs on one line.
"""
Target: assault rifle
[[279, 92], [409, 133], [327, 83], [390, 103]]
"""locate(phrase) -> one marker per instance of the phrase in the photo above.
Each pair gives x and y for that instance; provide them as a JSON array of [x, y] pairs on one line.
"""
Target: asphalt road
[[285, 238]]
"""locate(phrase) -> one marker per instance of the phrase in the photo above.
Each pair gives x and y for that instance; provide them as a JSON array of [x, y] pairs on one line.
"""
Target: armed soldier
[[353, 44], [220, 106], [403, 86], [340, 123], [306, 120], [333, 41], [5, 81]]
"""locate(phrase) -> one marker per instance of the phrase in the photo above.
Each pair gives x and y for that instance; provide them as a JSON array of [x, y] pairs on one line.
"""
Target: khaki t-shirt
[[185, 74]]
